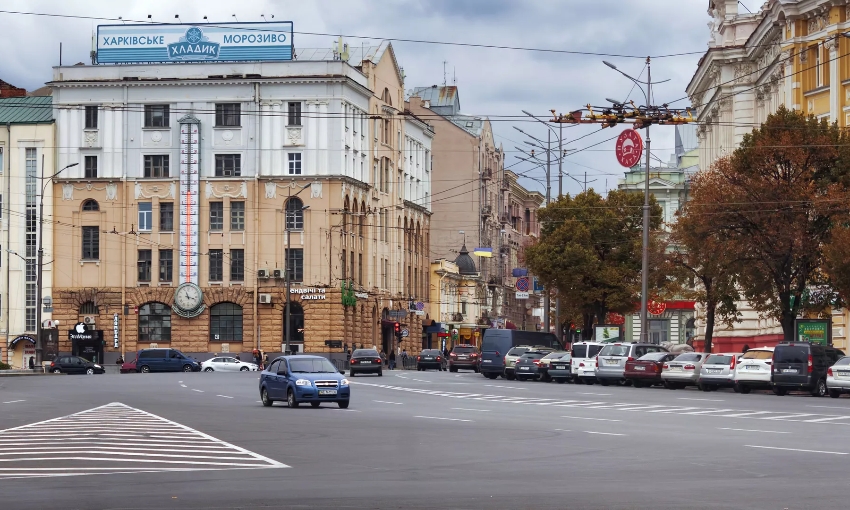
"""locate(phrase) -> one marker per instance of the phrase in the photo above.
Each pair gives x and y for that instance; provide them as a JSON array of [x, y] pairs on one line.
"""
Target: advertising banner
[[816, 331]]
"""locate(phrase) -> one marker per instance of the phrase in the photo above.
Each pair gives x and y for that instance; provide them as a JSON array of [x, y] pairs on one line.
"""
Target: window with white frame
[[294, 163], [145, 216]]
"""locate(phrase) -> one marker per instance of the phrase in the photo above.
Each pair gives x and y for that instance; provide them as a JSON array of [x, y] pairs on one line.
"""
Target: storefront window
[[296, 327], [154, 323], [226, 323]]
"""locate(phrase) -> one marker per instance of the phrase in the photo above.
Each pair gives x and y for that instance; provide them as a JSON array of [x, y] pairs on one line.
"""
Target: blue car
[[298, 379]]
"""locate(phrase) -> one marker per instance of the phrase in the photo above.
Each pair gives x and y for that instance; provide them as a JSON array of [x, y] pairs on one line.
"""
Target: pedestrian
[[383, 357], [237, 357], [32, 363], [745, 349], [392, 360], [446, 352], [265, 359], [403, 358]]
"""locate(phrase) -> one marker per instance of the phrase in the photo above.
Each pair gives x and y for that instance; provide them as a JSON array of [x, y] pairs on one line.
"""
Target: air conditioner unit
[[299, 348], [277, 273], [458, 317], [262, 273], [88, 320], [265, 299]]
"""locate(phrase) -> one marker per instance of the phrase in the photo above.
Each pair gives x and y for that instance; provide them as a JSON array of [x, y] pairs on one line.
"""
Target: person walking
[[383, 357], [403, 358], [392, 360], [32, 363]]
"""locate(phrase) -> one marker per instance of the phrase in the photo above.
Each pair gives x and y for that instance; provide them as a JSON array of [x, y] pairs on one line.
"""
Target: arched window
[[296, 328], [294, 214], [362, 218], [91, 205], [386, 97], [354, 217], [226, 323], [88, 308], [154, 323]]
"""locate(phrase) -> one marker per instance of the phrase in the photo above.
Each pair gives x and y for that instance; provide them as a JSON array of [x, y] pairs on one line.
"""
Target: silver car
[[718, 371], [611, 361], [683, 370], [838, 377]]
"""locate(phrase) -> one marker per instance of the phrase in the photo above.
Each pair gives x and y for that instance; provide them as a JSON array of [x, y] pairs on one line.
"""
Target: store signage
[[309, 293], [816, 331], [115, 331], [206, 42], [629, 148], [361, 295], [81, 333]]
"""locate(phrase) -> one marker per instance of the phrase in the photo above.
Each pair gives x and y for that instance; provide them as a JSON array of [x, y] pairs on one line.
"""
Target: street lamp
[[288, 267], [39, 349]]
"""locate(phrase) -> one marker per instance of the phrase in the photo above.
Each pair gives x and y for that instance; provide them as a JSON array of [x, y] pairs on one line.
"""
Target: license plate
[[428, 359], [366, 362], [752, 367], [327, 392], [843, 374], [486, 361], [524, 368], [612, 362], [789, 370], [559, 367], [461, 357], [640, 368], [676, 369], [714, 370]]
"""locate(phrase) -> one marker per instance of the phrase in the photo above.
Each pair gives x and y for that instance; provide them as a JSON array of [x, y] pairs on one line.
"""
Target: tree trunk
[[587, 329], [710, 308], [787, 321]]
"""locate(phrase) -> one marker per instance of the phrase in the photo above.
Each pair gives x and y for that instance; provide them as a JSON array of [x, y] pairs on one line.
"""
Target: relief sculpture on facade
[[226, 190], [162, 190]]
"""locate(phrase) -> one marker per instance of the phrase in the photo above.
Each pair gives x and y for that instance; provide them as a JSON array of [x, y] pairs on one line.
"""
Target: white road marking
[[181, 382], [505, 387], [199, 391], [789, 417], [832, 407], [400, 376], [794, 449], [184, 386], [672, 410], [14, 401], [598, 394], [710, 411], [703, 399], [385, 402], [603, 433], [438, 418], [223, 396], [583, 418], [746, 414], [467, 409], [563, 430], [751, 430], [821, 420], [420, 380]]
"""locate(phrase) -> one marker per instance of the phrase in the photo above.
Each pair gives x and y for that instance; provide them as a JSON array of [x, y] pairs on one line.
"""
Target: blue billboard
[[205, 42]]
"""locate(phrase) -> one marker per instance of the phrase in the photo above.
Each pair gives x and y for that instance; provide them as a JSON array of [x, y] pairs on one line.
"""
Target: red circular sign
[[656, 307], [629, 148]]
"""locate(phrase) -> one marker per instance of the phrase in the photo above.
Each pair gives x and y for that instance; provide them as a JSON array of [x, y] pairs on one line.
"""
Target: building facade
[[229, 177]]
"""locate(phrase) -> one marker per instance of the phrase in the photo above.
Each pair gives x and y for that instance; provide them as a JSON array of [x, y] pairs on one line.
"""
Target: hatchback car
[[560, 369], [514, 354], [464, 356], [718, 371], [227, 364], [430, 358], [802, 366], [611, 360], [303, 379], [753, 369], [128, 367], [838, 377], [546, 363], [583, 361], [646, 370], [683, 370], [528, 365], [365, 361], [74, 365]]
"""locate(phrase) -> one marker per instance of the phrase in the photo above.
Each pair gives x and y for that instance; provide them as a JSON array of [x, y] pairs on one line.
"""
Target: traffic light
[[397, 328]]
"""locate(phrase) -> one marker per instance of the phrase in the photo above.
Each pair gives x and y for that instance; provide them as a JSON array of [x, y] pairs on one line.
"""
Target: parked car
[[583, 361], [718, 371], [515, 354], [304, 379], [753, 370], [464, 356], [431, 358], [611, 360], [802, 366], [683, 370], [128, 367], [545, 364], [560, 369], [528, 365], [838, 377], [227, 364], [165, 360], [646, 370], [365, 361], [497, 342], [74, 365]]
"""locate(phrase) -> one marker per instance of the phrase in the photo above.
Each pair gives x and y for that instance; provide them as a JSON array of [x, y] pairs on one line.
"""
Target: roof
[[356, 54], [438, 96], [465, 264], [26, 110]]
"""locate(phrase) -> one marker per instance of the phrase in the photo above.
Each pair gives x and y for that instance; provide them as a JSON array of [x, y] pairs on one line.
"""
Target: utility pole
[[644, 266], [546, 291], [287, 332]]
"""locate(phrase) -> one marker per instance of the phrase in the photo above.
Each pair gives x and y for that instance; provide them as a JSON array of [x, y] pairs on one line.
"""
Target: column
[[834, 82], [265, 140], [106, 139], [310, 137], [75, 133], [323, 155], [117, 143], [64, 128], [276, 141]]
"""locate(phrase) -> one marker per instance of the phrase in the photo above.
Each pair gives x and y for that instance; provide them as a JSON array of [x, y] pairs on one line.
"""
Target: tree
[[771, 206], [590, 251]]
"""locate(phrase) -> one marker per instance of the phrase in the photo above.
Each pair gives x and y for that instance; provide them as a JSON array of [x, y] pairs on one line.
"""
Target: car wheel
[[560, 380], [209, 369], [476, 370], [835, 393], [145, 369], [624, 382], [264, 396], [669, 385], [637, 384], [702, 387], [290, 399], [243, 369], [343, 404], [510, 376], [351, 373], [604, 382], [779, 390], [187, 368], [820, 389], [89, 371], [57, 371], [591, 382], [315, 404], [742, 388]]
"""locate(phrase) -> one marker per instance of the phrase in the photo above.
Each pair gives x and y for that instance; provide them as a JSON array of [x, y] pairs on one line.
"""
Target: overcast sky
[[495, 82]]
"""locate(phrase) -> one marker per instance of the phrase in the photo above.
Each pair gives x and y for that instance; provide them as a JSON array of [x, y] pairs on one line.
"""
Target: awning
[[25, 338], [434, 328]]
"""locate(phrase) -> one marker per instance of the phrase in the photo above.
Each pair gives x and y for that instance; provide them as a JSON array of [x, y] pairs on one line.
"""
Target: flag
[[483, 252]]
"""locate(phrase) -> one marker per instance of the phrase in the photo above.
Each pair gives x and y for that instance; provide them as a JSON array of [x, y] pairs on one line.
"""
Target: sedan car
[[365, 361], [528, 365], [74, 365], [683, 370], [560, 369], [303, 379], [646, 370], [227, 364], [431, 358], [128, 367], [718, 371], [543, 366], [838, 377]]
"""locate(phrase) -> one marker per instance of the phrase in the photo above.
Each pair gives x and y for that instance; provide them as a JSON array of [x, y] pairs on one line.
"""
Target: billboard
[[203, 42]]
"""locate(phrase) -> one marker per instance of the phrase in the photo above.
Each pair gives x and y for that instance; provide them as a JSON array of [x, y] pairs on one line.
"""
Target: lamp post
[[39, 348], [288, 269]]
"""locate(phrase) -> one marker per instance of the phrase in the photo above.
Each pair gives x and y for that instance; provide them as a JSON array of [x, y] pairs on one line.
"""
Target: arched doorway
[[296, 327], [376, 324]]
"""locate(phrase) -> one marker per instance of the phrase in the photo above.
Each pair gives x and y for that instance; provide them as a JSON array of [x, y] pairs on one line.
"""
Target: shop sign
[[361, 295], [309, 293], [816, 331], [115, 331], [81, 333]]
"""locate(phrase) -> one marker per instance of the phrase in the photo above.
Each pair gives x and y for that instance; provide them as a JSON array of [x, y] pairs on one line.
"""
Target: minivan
[[802, 366], [165, 360], [497, 342], [583, 361]]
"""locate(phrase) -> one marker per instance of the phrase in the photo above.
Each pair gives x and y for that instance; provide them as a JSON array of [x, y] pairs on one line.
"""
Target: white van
[[583, 362]]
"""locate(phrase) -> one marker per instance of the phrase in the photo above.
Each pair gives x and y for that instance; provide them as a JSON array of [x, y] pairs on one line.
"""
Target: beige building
[[218, 177]]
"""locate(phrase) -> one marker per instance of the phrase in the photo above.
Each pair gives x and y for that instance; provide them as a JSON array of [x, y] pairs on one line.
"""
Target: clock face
[[188, 296]]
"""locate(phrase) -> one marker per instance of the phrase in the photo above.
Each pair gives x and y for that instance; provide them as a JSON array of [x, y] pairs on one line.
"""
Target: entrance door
[[658, 331]]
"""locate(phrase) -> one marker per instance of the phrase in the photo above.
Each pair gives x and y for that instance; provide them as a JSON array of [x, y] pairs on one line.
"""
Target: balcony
[[486, 174], [487, 211]]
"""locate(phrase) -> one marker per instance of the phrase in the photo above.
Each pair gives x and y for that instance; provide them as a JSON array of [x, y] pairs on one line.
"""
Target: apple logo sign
[[80, 328]]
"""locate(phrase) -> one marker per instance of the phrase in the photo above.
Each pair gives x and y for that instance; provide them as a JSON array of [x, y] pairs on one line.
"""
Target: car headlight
[[302, 382], [343, 382], [98, 366]]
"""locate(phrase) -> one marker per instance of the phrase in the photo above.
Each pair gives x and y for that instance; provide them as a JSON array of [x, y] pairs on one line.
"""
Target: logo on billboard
[[193, 46], [629, 148]]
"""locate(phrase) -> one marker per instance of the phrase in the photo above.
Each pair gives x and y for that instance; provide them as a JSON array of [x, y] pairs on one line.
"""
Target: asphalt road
[[414, 440]]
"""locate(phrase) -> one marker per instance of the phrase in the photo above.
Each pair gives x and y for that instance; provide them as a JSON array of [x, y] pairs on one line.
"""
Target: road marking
[[746, 414], [420, 380], [794, 449], [400, 376], [598, 394], [821, 420], [199, 391], [703, 399], [672, 410], [183, 385], [223, 396], [385, 402], [603, 433], [833, 407], [466, 409], [710, 411], [788, 416], [563, 430], [438, 418], [751, 430], [505, 387], [181, 382], [583, 418], [14, 401]]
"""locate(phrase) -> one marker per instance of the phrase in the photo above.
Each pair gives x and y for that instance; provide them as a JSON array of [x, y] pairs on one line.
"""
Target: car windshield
[[365, 353], [532, 355], [555, 355], [430, 352], [463, 350], [312, 366], [689, 356], [614, 350], [718, 359], [758, 355], [843, 361], [517, 351], [791, 354], [653, 356]]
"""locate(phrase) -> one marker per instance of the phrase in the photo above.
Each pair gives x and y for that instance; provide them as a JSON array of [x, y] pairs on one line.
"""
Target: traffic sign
[[522, 284], [404, 333], [397, 314], [629, 148], [522, 295], [420, 305]]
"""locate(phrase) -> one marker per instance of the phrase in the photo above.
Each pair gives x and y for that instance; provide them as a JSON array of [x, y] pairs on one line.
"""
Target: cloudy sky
[[495, 82]]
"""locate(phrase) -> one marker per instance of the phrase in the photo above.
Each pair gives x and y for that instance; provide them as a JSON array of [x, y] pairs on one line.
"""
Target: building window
[[295, 264], [294, 163], [154, 323], [166, 265], [237, 216], [156, 166], [237, 265], [156, 115], [227, 115], [216, 265], [90, 205], [144, 265], [294, 214], [91, 117], [31, 162], [294, 110], [89, 308], [228, 165], [166, 216], [90, 167], [145, 216], [226, 323], [91, 243], [216, 215], [344, 264], [360, 269]]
